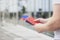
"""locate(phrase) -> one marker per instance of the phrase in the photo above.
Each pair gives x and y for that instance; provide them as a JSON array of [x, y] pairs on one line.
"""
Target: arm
[[53, 23]]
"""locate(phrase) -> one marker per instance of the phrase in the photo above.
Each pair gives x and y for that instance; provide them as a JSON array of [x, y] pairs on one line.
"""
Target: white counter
[[23, 33]]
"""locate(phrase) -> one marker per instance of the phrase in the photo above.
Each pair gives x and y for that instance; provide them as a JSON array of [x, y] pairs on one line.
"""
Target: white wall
[[12, 5], [2, 5], [39, 4]]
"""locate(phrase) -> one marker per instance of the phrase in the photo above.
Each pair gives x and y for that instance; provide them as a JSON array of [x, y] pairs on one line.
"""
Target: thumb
[[37, 19], [40, 19]]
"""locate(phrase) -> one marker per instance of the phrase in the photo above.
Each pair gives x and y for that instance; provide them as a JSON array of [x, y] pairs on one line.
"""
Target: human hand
[[41, 20], [40, 27]]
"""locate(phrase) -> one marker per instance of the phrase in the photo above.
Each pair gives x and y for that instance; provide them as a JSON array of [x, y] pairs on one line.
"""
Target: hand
[[41, 20], [40, 27]]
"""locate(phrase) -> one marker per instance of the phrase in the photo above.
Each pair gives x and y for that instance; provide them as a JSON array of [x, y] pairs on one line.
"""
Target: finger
[[37, 19], [37, 27]]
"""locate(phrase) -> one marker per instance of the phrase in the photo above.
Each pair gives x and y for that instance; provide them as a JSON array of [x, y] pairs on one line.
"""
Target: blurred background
[[12, 10]]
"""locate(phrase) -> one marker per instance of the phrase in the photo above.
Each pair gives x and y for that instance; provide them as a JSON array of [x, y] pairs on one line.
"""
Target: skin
[[50, 24]]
